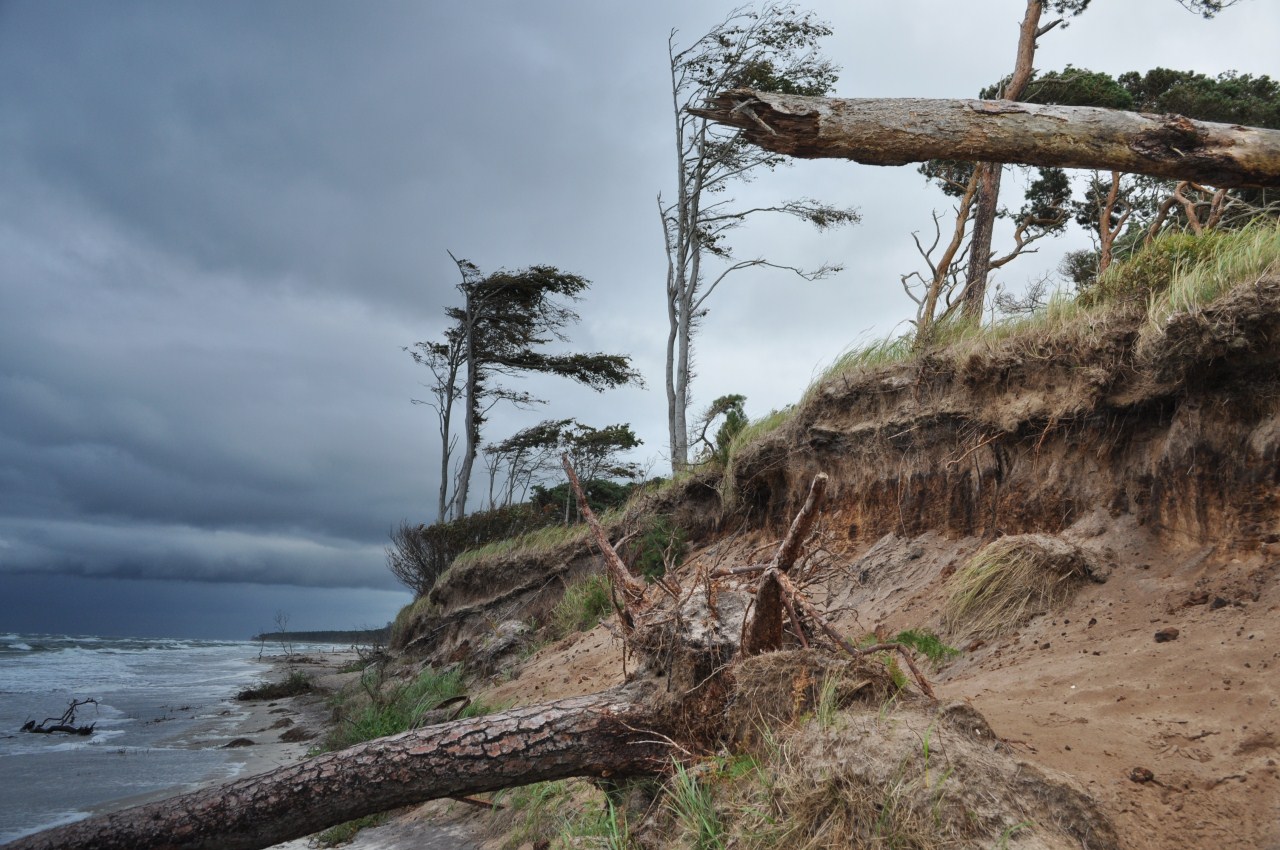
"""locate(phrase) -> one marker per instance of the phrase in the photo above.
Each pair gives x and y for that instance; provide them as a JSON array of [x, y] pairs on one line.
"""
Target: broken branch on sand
[[65, 724]]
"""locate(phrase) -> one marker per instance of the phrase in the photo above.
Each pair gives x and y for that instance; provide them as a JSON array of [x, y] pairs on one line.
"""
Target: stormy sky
[[220, 223]]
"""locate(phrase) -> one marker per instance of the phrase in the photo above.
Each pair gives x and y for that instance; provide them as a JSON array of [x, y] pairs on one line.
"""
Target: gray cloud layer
[[220, 222]]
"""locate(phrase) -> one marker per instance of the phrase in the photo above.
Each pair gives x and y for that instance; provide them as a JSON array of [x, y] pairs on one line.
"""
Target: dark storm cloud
[[181, 553], [220, 223]]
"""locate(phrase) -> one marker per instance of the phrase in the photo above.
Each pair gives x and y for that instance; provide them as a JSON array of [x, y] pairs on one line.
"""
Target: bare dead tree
[[774, 46]]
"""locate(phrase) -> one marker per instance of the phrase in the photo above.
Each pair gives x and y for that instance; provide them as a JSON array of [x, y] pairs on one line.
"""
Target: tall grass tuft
[[400, 709], [1011, 580], [584, 604], [1227, 258], [694, 807]]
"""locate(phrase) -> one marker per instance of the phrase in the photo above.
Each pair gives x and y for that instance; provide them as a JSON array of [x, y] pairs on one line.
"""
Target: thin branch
[[632, 590]]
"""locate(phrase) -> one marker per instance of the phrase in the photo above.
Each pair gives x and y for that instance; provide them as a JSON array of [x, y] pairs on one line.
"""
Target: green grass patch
[[399, 708], [584, 604], [693, 804], [345, 833], [296, 684], [544, 541], [927, 644]]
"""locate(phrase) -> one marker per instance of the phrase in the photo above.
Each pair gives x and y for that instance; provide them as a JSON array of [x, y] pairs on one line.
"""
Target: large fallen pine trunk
[[896, 131], [685, 643], [603, 735]]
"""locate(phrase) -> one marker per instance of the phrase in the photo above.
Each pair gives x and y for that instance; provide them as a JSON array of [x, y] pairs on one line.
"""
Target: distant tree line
[[345, 637]]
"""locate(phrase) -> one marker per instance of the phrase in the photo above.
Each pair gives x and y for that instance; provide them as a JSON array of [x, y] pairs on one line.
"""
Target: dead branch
[[65, 724], [790, 548], [631, 588]]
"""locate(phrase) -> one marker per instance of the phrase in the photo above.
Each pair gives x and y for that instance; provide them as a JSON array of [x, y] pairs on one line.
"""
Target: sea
[[162, 709]]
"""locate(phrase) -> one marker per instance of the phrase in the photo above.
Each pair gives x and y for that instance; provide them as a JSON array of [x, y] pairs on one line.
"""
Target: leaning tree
[[502, 328]]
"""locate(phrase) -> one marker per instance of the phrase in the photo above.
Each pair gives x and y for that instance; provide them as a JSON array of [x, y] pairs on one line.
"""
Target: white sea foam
[[150, 695]]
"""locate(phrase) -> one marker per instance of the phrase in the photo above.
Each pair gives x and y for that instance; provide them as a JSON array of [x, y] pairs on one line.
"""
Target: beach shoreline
[[302, 722], [280, 731]]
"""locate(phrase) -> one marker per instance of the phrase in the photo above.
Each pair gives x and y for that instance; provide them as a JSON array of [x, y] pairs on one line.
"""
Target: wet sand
[[265, 722]]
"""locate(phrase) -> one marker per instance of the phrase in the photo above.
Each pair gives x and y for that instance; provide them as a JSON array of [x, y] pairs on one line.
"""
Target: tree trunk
[[600, 735], [989, 173], [896, 131], [974, 295], [471, 427], [686, 644]]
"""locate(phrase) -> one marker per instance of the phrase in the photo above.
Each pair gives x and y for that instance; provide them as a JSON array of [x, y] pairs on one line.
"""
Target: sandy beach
[[277, 732], [261, 735], [282, 732]]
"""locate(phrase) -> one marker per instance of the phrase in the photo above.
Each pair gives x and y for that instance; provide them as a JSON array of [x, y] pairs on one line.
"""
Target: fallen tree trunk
[[896, 131], [603, 735], [674, 703]]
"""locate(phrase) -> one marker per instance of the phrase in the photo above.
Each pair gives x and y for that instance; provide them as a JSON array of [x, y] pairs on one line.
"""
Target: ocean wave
[[52, 820], [23, 647]]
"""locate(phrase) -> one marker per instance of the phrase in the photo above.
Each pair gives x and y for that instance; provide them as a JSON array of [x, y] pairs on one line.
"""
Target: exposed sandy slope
[[1155, 451], [1088, 690]]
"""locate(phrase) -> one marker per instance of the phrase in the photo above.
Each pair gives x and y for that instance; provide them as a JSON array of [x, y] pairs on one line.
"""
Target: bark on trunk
[[989, 174], [602, 735], [984, 221], [896, 131]]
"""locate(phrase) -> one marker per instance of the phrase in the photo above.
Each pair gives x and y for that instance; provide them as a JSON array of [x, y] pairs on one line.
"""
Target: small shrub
[[659, 545], [602, 495], [1151, 269], [927, 644], [298, 683], [584, 604], [420, 554]]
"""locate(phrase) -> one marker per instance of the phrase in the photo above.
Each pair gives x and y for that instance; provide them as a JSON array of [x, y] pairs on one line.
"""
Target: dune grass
[[540, 542], [1011, 580], [1178, 272], [1227, 258], [392, 709], [584, 604]]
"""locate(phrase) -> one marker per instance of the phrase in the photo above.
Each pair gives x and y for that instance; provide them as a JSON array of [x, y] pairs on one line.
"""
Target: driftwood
[[896, 131], [65, 724], [686, 640]]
